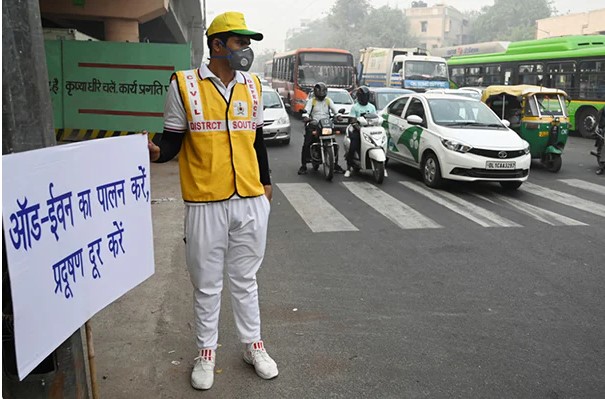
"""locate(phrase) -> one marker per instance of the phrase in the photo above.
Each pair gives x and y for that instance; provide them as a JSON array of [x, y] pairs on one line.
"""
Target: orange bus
[[295, 73], [267, 70]]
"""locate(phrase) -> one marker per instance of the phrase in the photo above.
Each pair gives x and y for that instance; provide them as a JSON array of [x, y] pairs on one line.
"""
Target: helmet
[[320, 91], [363, 95]]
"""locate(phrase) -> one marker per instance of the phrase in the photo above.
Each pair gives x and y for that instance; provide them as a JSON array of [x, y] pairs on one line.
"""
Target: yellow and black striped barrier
[[70, 135]]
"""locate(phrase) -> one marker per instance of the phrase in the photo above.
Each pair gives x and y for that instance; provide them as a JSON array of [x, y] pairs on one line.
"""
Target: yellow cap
[[232, 21]]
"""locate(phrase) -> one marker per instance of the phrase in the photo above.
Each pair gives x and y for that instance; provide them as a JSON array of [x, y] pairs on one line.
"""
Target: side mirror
[[414, 119], [287, 105], [505, 122]]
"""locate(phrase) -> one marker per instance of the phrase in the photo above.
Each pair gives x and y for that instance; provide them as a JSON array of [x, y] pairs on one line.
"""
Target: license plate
[[500, 165]]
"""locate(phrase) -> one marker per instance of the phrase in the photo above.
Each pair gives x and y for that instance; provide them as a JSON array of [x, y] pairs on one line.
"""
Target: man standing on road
[[213, 116]]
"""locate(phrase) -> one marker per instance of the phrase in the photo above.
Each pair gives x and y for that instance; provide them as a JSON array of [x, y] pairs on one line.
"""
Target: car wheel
[[431, 171], [511, 185]]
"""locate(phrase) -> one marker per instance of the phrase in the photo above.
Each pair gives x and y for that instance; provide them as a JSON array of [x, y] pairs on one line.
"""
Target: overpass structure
[[154, 21]]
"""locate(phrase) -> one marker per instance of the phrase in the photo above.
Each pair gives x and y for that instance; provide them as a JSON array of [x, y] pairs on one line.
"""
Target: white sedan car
[[456, 138], [277, 123]]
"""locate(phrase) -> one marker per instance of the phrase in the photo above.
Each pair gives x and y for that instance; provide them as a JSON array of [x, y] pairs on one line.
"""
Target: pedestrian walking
[[213, 118]]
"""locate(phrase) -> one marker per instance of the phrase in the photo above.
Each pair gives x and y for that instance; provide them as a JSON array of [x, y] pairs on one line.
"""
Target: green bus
[[575, 64]]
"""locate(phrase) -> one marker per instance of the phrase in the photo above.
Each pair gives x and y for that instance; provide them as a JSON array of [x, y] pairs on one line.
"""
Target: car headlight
[[526, 150], [284, 120], [455, 146]]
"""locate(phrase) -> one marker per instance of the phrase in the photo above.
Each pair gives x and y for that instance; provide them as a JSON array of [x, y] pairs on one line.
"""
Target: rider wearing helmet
[[318, 107], [362, 106]]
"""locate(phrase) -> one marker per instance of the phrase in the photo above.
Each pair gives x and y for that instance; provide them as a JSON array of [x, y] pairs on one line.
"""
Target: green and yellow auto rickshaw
[[538, 114]]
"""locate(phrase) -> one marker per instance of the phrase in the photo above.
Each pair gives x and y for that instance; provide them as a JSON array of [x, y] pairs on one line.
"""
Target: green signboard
[[112, 86]]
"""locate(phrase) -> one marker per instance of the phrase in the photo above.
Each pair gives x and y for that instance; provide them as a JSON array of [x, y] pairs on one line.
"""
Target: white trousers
[[230, 233]]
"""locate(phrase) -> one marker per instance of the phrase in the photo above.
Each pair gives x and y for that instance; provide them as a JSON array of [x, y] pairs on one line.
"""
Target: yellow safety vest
[[217, 158]]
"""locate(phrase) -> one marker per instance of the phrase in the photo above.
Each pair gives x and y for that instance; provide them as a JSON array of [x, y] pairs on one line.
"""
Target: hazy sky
[[273, 18]]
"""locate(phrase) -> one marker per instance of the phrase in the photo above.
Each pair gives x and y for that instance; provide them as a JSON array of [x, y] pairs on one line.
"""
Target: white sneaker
[[257, 356], [385, 173], [348, 173], [202, 376]]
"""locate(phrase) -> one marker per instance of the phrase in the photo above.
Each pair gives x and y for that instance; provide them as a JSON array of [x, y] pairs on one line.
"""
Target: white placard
[[77, 226]]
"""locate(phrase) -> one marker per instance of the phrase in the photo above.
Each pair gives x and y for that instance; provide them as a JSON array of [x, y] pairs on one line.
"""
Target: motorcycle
[[599, 153], [324, 147], [373, 148]]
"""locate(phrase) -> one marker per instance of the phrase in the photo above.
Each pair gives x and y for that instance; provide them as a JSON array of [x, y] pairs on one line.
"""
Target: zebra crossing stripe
[[475, 213], [564, 198], [584, 185], [540, 214], [394, 210], [317, 213]]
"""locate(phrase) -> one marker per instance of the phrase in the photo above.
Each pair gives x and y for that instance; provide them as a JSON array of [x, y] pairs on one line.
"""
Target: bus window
[[560, 75], [474, 76], [492, 75], [592, 79], [458, 75], [531, 74]]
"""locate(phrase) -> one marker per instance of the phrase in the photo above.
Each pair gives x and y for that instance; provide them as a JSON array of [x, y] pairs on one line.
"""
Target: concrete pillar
[[121, 30]]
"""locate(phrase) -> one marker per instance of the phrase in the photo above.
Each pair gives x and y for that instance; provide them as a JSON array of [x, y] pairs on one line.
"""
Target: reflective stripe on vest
[[217, 158]]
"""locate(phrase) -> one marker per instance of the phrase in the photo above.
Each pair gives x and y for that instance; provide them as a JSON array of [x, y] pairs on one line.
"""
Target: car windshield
[[332, 75], [382, 99], [463, 113], [425, 70], [271, 99], [340, 97]]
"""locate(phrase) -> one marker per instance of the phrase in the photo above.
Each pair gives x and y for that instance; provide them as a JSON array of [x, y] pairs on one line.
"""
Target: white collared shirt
[[175, 117]]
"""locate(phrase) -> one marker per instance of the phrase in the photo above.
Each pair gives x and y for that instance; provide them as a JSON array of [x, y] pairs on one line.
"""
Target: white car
[[342, 99], [457, 138], [460, 92], [277, 121]]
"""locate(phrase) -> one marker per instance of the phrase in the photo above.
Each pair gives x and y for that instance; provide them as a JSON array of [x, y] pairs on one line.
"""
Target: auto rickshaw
[[538, 114]]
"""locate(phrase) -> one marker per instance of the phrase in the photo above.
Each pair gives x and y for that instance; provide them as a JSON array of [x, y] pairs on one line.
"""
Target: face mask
[[239, 60]]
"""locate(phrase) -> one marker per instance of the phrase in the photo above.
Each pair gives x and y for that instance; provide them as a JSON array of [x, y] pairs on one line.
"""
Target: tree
[[386, 27], [353, 25], [315, 34], [511, 20]]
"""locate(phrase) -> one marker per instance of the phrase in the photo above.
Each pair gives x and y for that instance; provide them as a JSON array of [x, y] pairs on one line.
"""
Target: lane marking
[[396, 211], [564, 198], [464, 208], [584, 185], [540, 214], [317, 213]]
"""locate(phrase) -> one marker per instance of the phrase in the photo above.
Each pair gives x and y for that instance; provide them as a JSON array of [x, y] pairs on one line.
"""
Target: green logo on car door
[[411, 139]]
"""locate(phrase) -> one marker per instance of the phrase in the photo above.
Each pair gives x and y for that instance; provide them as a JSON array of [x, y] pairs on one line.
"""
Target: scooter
[[373, 148]]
